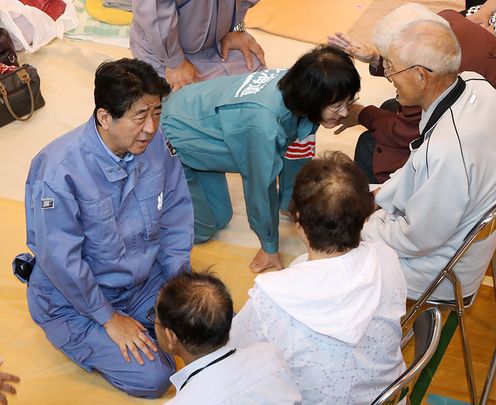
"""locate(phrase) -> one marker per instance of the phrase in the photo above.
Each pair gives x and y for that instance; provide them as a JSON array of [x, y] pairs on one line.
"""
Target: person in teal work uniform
[[244, 124]]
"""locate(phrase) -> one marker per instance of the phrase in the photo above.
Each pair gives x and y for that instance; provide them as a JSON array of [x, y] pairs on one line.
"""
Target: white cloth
[[433, 202], [30, 27], [330, 295], [256, 374]]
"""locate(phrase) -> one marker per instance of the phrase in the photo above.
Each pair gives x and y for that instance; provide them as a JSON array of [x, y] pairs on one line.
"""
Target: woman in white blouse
[[335, 312]]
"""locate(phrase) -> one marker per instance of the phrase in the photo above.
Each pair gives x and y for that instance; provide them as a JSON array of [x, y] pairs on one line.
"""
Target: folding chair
[[481, 231], [426, 330]]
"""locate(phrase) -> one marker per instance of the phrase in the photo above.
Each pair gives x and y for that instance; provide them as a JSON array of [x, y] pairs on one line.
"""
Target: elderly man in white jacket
[[335, 316], [449, 181]]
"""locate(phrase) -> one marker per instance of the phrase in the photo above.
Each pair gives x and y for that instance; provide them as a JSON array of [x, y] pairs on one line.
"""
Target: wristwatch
[[239, 27]]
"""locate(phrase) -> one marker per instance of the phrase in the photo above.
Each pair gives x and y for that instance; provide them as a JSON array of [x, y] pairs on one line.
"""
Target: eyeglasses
[[388, 73], [346, 105], [152, 316]]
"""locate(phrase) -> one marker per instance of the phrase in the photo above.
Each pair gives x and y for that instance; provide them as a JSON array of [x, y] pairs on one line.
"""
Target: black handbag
[[7, 52], [20, 94]]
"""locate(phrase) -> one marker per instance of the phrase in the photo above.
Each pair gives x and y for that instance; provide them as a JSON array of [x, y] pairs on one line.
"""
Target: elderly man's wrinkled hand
[[130, 336], [245, 43], [351, 119], [359, 50], [6, 386]]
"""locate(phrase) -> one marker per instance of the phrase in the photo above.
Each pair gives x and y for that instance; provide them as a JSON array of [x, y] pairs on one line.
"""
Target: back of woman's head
[[321, 77], [331, 201]]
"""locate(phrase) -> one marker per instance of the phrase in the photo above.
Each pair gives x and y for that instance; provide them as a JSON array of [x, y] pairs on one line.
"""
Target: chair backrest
[[481, 231], [426, 331]]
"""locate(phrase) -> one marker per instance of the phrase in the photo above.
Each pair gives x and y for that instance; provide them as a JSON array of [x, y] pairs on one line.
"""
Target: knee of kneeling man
[[152, 380], [151, 385]]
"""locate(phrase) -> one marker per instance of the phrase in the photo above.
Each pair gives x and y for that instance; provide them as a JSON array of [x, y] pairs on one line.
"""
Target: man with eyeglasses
[[429, 206], [192, 317], [384, 147]]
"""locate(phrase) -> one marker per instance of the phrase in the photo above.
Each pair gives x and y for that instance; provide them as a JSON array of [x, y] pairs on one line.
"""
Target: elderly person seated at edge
[[449, 181], [385, 146], [335, 314], [244, 124], [193, 318]]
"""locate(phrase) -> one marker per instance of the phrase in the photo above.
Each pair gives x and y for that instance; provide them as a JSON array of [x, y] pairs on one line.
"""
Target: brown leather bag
[[20, 94], [7, 51]]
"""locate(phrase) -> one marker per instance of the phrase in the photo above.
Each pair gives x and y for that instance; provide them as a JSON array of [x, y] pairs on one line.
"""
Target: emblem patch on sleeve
[[171, 149], [47, 203]]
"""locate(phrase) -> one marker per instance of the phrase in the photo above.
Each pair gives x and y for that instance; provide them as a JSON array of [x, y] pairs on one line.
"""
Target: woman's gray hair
[[428, 43], [394, 22]]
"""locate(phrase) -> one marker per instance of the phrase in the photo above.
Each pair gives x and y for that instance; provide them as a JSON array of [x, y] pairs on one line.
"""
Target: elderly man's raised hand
[[6, 386], [245, 43], [129, 334], [181, 75], [359, 50]]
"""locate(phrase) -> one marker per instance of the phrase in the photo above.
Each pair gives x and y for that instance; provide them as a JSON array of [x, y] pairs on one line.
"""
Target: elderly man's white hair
[[430, 44], [393, 23]]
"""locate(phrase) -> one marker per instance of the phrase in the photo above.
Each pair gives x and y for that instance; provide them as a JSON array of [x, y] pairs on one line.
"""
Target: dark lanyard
[[208, 365], [441, 108]]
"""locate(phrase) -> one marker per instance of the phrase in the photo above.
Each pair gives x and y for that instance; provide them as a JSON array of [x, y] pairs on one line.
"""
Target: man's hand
[[263, 261], [181, 75], [5, 385], [351, 119], [245, 43], [359, 50], [129, 334]]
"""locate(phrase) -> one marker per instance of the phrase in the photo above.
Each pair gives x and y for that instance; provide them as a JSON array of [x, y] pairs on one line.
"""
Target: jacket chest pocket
[[150, 195], [101, 235]]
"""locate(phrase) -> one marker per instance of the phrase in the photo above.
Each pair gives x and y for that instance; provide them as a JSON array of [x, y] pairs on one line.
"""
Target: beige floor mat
[[312, 20]]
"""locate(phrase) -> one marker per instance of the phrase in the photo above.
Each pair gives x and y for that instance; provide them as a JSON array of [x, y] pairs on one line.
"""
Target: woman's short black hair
[[198, 308], [331, 201], [118, 84], [323, 76]]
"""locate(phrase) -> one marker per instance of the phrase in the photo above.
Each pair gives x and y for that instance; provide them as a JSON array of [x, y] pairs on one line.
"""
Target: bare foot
[[263, 261]]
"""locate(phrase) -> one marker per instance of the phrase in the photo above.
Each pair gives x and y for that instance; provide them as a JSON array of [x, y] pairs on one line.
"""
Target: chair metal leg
[[467, 356], [491, 373], [489, 381], [493, 266], [427, 374]]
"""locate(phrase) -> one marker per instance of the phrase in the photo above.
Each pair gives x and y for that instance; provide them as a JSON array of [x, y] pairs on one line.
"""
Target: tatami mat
[[312, 20]]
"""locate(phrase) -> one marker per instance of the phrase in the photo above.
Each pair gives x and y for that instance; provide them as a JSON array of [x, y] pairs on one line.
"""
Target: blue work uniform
[[235, 124], [106, 233]]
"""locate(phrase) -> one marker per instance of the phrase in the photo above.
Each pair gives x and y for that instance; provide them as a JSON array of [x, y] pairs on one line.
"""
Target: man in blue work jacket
[[109, 219], [244, 124]]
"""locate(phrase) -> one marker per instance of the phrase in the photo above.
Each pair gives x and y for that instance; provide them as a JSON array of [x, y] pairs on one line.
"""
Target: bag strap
[[24, 76]]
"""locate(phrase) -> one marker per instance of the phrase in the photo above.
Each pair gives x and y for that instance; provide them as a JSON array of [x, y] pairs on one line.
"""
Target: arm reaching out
[[359, 50]]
